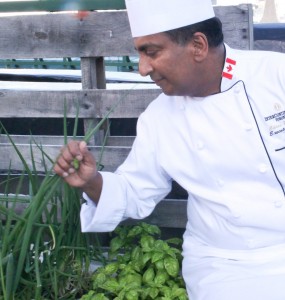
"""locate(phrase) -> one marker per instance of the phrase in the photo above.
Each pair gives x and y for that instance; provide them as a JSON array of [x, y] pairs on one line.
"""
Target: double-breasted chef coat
[[228, 151]]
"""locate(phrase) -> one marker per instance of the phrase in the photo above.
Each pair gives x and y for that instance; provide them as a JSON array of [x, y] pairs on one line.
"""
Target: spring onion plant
[[44, 255]]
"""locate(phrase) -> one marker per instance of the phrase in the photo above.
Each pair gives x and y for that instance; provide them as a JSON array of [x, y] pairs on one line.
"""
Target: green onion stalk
[[44, 255]]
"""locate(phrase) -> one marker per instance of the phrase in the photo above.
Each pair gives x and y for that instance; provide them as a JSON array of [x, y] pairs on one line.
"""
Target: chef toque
[[154, 16]]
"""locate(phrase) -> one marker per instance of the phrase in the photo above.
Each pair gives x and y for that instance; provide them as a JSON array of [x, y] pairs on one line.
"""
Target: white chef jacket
[[228, 151]]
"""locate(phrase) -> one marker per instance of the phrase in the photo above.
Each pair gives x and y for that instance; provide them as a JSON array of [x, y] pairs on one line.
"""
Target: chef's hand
[[77, 166]]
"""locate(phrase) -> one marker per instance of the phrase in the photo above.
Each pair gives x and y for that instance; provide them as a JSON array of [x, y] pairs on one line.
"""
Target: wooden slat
[[59, 140], [112, 157], [64, 35], [120, 141], [92, 103], [93, 73], [93, 77], [99, 34], [169, 213]]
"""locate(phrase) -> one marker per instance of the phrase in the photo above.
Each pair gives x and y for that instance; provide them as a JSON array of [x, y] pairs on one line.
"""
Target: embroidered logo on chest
[[276, 121]]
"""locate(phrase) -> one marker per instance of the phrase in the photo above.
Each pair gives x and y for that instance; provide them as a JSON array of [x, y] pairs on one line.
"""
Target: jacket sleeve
[[134, 189]]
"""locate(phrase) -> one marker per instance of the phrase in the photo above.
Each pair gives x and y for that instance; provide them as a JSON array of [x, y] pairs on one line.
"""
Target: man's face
[[171, 66]]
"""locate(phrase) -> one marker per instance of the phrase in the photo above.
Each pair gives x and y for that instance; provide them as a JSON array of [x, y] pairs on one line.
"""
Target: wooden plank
[[168, 213], [59, 140], [93, 77], [93, 73], [99, 34], [40, 139], [64, 35], [92, 103], [120, 141], [112, 156]]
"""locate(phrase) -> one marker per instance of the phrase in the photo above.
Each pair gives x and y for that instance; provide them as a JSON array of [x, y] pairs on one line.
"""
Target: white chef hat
[[154, 16]]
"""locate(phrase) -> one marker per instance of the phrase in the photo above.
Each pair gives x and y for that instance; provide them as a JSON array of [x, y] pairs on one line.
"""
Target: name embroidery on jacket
[[279, 117]]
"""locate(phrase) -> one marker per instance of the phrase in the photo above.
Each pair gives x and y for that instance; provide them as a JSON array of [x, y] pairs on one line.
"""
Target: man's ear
[[200, 46]]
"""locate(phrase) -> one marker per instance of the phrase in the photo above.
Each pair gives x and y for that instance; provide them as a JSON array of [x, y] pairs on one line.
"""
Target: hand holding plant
[[76, 164]]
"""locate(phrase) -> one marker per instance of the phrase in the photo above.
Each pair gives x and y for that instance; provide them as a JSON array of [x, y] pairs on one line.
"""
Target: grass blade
[[10, 276]]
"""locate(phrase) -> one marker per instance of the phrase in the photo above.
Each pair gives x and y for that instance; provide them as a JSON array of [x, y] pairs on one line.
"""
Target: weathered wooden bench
[[99, 35]]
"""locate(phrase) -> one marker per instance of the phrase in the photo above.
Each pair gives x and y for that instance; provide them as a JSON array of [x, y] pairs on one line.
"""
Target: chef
[[218, 129]]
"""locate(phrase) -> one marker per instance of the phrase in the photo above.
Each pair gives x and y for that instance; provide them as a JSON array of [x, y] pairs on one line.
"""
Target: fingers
[[76, 164], [64, 164], [83, 147], [86, 154]]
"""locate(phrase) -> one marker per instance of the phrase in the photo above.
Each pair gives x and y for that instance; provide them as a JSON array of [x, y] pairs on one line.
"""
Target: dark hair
[[212, 28]]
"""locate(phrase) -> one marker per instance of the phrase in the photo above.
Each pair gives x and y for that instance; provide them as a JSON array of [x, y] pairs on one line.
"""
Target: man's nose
[[145, 68]]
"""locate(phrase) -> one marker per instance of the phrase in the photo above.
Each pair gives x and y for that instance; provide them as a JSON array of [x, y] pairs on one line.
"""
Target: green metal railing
[[116, 64], [60, 5], [40, 63]]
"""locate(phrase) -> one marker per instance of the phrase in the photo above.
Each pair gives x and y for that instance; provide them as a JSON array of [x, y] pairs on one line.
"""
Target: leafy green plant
[[140, 266], [44, 255]]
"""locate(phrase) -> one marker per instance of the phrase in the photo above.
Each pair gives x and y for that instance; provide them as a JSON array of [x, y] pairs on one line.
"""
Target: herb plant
[[43, 253], [141, 266]]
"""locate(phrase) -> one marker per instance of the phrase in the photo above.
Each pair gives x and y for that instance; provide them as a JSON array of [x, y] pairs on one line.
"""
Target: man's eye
[[151, 52]]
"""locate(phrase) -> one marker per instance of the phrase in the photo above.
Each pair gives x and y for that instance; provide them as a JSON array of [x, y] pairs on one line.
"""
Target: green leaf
[[111, 268], [147, 242], [93, 296], [137, 265], [161, 245], [122, 231], [161, 277], [148, 275], [174, 241], [183, 297], [10, 276], [172, 284], [157, 256], [132, 295], [179, 292], [116, 244], [159, 265], [135, 231], [153, 293], [166, 291], [88, 296], [99, 296], [146, 257], [135, 280], [173, 252], [136, 253], [172, 266], [98, 280], [111, 285], [128, 269], [151, 229]]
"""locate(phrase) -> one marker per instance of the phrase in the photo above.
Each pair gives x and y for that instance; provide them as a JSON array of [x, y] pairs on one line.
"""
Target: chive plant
[[44, 255]]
